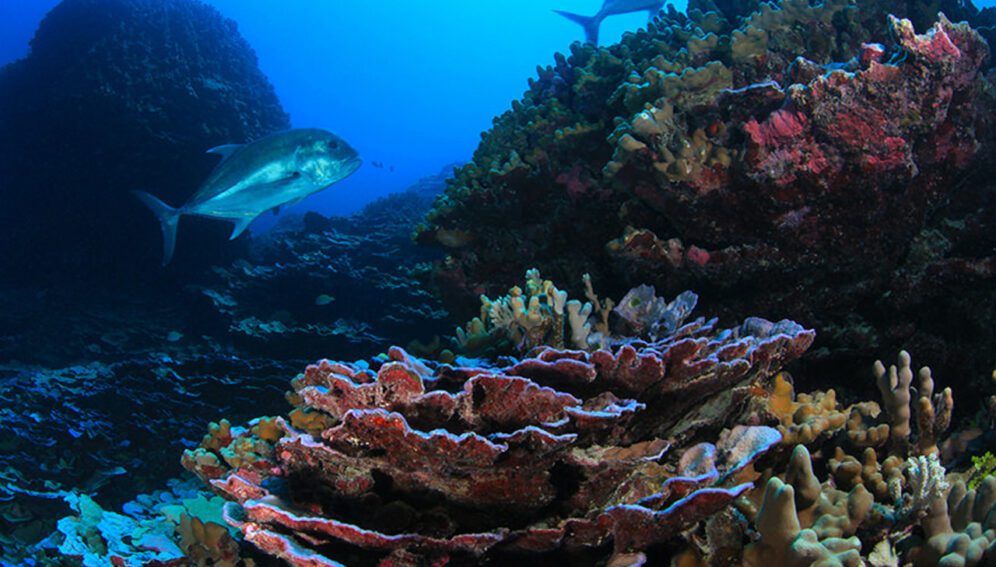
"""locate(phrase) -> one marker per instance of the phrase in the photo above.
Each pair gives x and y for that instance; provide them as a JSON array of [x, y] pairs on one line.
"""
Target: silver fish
[[611, 8], [279, 169]]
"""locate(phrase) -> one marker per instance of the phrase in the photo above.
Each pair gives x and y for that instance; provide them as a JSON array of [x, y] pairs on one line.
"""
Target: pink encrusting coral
[[863, 121], [564, 454]]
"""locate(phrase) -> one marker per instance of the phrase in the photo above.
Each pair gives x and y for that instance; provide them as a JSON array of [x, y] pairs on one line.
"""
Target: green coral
[[983, 466], [537, 316]]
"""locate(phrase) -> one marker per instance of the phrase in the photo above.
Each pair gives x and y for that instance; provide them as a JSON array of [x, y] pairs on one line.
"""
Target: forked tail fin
[[589, 23], [169, 219]]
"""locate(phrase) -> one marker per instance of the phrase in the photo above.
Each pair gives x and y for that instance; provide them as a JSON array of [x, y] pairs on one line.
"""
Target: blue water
[[409, 84]]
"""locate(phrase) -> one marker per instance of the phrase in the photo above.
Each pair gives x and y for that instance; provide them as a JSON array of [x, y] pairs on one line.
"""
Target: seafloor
[[672, 269]]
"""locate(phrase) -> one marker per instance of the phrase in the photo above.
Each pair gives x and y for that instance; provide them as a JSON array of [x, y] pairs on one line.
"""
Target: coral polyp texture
[[566, 454], [823, 161]]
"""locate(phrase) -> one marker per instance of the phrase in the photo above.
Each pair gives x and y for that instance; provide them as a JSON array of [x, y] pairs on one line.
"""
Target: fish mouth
[[352, 165]]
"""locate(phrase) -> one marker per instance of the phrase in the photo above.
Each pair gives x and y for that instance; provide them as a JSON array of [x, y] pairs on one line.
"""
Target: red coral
[[576, 181], [782, 126], [697, 256]]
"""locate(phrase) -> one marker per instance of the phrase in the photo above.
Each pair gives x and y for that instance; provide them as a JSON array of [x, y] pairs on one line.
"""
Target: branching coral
[[784, 541], [534, 317], [801, 521], [933, 412], [541, 315], [861, 432], [926, 483], [804, 418], [959, 527]]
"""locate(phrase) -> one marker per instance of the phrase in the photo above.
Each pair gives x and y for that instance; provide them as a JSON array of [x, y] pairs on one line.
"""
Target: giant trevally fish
[[279, 169], [611, 8]]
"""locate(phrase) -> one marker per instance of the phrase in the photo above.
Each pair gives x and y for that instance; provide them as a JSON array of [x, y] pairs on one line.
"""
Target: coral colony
[[820, 164], [568, 455], [805, 160]]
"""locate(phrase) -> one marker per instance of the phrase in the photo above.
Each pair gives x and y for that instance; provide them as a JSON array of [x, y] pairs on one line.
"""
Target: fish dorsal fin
[[225, 150], [241, 224]]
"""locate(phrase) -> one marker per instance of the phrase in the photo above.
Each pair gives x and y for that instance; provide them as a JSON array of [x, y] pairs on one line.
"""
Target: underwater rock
[[818, 161], [328, 285], [119, 95]]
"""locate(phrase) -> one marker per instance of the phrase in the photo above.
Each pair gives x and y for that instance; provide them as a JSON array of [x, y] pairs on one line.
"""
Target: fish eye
[[333, 145]]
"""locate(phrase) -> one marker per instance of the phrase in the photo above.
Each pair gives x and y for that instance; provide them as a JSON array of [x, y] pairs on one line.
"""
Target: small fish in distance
[[276, 170], [611, 8]]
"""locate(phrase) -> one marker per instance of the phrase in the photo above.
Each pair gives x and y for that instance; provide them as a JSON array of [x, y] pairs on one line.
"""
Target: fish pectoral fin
[[241, 224], [225, 150]]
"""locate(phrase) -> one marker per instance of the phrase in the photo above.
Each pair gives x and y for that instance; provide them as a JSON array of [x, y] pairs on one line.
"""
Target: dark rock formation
[[118, 95]]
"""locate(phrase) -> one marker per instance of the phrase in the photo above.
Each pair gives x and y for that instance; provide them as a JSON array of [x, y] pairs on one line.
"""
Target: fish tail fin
[[589, 23], [169, 219]]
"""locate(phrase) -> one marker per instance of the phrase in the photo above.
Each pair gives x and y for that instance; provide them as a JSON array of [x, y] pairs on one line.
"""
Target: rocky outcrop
[[823, 161]]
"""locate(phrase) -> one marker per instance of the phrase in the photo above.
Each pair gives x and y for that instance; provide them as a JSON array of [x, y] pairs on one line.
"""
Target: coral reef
[[315, 284], [599, 454], [542, 315], [802, 521], [885, 509], [818, 161], [683, 441], [64, 429], [118, 95], [563, 454]]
